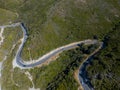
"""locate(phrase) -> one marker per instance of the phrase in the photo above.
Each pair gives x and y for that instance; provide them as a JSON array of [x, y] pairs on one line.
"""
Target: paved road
[[11, 25], [82, 70], [25, 65], [44, 58]]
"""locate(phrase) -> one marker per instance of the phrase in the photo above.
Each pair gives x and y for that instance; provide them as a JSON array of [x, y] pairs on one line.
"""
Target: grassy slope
[[57, 23], [52, 23], [11, 5], [105, 70], [61, 78], [7, 17], [8, 11], [12, 36]]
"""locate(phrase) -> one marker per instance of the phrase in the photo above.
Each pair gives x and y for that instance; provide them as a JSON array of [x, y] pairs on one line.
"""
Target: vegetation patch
[[104, 70], [12, 78], [57, 23], [51, 78], [7, 17], [11, 37]]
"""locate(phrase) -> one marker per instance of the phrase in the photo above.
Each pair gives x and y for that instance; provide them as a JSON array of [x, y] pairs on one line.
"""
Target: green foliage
[[11, 5], [22, 82], [51, 78], [11, 36], [53, 23], [6, 75], [104, 71], [10, 77], [7, 17]]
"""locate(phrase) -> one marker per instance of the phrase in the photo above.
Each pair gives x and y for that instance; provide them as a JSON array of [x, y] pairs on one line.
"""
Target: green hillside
[[7, 17], [54, 23], [105, 76]]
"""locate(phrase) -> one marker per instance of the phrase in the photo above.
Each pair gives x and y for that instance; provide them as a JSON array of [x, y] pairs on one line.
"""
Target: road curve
[[82, 75], [23, 64], [19, 62]]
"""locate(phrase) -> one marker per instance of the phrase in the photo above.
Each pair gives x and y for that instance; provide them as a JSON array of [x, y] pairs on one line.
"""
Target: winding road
[[19, 62]]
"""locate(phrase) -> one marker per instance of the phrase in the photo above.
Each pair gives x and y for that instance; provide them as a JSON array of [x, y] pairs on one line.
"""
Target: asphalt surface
[[21, 63], [83, 78]]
